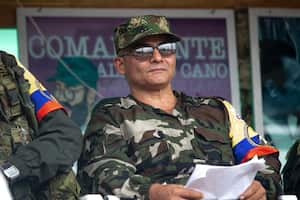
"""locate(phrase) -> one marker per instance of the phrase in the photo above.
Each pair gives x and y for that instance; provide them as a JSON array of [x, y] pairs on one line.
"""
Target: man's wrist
[[10, 171]]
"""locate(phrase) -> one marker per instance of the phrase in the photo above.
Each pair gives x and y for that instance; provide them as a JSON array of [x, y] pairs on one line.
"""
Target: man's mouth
[[154, 69]]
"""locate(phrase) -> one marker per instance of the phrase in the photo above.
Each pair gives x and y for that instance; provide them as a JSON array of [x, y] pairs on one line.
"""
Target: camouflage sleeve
[[105, 166], [246, 143]]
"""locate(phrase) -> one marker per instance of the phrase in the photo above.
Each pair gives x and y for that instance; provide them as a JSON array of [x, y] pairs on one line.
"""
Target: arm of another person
[[56, 146], [246, 144], [105, 166]]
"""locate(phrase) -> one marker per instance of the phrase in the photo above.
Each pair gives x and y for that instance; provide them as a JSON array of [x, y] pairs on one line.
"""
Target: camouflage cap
[[139, 27]]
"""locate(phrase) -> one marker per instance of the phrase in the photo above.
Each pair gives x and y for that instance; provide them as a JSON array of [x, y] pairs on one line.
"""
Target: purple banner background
[[198, 71]]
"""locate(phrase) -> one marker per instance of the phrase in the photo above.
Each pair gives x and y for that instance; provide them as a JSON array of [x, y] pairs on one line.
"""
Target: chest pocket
[[213, 145], [151, 151]]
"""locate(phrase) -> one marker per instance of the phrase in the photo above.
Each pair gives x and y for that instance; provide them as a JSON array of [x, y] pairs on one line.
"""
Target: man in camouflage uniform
[[38, 142], [145, 145]]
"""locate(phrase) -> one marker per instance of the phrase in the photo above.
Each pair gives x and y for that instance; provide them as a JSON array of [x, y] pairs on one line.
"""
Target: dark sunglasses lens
[[167, 49], [144, 52]]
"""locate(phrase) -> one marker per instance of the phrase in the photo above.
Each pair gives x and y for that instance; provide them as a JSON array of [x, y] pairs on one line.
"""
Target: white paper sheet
[[218, 182]]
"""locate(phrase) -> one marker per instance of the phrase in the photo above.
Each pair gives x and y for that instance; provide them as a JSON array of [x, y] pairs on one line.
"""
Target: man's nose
[[156, 56]]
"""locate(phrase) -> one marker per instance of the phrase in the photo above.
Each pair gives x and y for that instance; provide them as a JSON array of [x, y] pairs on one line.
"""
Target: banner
[[275, 50], [71, 49]]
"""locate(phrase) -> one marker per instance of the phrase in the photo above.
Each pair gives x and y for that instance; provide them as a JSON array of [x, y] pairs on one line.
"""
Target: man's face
[[76, 100], [153, 72], [71, 94]]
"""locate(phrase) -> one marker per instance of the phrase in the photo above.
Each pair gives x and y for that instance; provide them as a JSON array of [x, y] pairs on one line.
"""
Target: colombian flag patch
[[43, 101]]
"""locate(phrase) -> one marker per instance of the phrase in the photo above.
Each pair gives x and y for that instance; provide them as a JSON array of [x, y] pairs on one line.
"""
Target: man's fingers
[[173, 191], [255, 191], [190, 194]]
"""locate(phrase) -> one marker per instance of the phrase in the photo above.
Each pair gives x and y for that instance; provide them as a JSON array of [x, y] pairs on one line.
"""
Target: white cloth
[[91, 197], [98, 197], [287, 197], [4, 189]]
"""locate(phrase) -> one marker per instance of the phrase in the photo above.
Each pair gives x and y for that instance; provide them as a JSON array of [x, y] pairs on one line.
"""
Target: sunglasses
[[146, 52]]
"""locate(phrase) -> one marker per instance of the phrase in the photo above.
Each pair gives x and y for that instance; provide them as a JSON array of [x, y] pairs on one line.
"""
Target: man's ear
[[119, 65]]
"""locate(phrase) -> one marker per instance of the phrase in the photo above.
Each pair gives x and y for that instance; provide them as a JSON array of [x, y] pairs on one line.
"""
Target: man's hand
[[172, 192], [254, 192]]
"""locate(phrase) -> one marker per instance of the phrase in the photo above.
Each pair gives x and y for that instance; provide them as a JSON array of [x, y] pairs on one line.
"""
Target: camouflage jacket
[[129, 145]]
